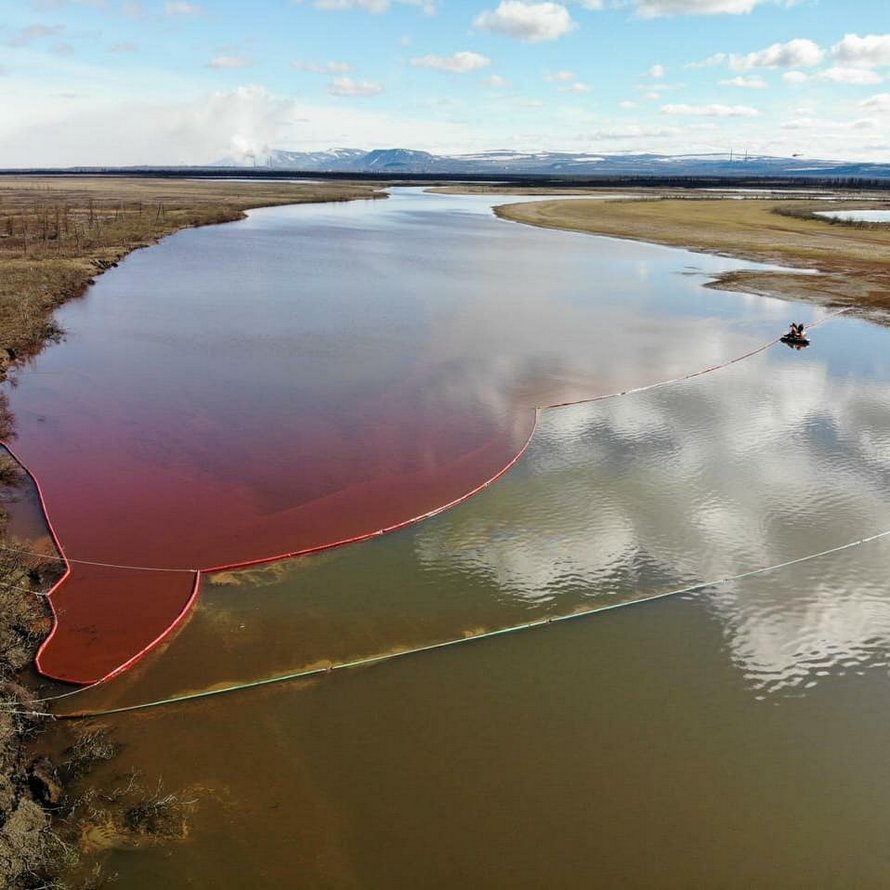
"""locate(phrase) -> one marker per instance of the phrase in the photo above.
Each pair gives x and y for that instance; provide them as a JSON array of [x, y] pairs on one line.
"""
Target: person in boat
[[796, 332]]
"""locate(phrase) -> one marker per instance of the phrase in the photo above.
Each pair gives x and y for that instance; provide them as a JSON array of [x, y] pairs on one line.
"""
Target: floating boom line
[[68, 561], [372, 660]]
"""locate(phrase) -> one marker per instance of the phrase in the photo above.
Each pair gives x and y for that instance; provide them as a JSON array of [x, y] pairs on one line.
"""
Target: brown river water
[[732, 737]]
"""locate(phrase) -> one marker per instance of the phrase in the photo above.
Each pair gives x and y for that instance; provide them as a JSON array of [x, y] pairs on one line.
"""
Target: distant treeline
[[832, 183]]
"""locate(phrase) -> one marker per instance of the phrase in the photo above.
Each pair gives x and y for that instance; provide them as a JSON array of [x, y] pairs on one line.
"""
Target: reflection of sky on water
[[750, 467], [764, 462], [339, 369], [879, 216], [855, 348], [641, 712], [809, 623], [323, 348], [438, 311]]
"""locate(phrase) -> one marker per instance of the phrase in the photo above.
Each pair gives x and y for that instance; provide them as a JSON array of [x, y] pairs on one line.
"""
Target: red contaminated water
[[308, 376], [326, 489], [94, 603]]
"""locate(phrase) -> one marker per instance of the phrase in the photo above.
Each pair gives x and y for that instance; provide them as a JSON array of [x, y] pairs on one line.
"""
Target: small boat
[[796, 338]]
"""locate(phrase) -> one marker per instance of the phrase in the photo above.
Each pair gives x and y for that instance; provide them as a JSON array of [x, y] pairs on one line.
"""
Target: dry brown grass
[[855, 259], [57, 234], [25, 836]]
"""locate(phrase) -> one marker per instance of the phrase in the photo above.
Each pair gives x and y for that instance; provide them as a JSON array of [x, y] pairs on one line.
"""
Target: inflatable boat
[[798, 341]]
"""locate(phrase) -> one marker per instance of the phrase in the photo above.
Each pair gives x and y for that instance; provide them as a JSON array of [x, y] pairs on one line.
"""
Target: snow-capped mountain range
[[407, 161]]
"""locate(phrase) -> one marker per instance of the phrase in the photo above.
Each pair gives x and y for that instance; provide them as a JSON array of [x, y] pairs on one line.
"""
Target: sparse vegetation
[[92, 746], [797, 212], [29, 787], [24, 820], [158, 814], [122, 814]]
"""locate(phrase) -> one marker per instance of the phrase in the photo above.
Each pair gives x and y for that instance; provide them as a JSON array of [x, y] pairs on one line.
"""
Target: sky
[[112, 82]]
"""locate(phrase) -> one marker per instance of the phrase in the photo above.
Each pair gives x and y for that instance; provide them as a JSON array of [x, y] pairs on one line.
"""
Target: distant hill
[[407, 161]]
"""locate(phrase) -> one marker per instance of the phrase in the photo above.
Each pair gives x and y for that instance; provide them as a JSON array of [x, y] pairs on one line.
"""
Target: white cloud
[[749, 83], [649, 9], [200, 128], [593, 5], [323, 67], [376, 7], [230, 62], [870, 51], [530, 22], [627, 104], [797, 53], [635, 131], [181, 7], [878, 102], [126, 46], [800, 123], [855, 76], [60, 4], [27, 35], [795, 78], [714, 110], [710, 62], [656, 71], [569, 81], [346, 86], [559, 76], [827, 126], [653, 96], [428, 6], [495, 81], [232, 123], [458, 63]]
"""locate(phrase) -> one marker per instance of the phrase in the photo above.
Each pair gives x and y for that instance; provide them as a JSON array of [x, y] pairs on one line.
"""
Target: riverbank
[[854, 260], [56, 236]]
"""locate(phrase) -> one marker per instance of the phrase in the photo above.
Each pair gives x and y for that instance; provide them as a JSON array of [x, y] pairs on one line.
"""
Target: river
[[359, 364]]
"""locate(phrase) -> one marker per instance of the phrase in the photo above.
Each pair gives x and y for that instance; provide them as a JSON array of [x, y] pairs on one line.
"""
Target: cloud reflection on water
[[751, 467]]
